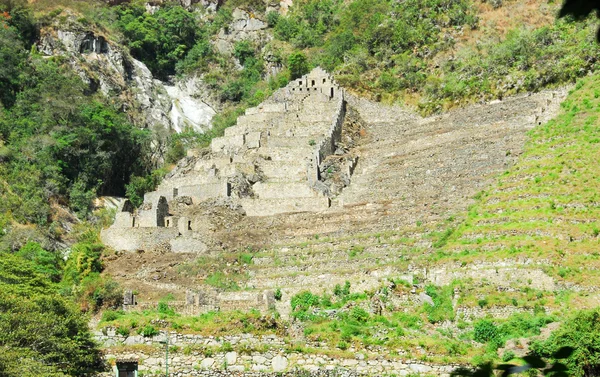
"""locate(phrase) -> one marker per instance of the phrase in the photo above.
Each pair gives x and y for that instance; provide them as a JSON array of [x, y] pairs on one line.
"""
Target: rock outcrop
[[107, 67]]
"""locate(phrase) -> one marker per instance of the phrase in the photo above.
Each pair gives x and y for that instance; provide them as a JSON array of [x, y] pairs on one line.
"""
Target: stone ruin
[[267, 164]]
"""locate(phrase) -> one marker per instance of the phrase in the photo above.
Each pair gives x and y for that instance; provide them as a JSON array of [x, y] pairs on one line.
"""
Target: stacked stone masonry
[[190, 360], [275, 147]]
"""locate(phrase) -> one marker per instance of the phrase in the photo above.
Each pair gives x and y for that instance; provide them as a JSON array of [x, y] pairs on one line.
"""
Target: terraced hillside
[[466, 281], [413, 174], [420, 253]]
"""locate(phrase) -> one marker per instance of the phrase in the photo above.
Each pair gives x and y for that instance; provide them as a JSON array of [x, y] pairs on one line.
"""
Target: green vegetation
[[208, 324], [161, 39], [394, 49], [53, 338], [538, 207], [580, 332], [58, 143]]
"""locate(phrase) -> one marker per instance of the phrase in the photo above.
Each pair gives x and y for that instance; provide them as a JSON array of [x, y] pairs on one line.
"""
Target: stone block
[[282, 190], [270, 207], [279, 363], [259, 368], [171, 221], [153, 196], [231, 357], [134, 239], [285, 154], [199, 193], [123, 220], [133, 340], [207, 363], [217, 144], [206, 165], [288, 171], [253, 140], [184, 226], [291, 141]]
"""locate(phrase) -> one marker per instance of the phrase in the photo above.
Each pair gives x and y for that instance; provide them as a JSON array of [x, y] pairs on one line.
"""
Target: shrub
[[278, 295], [442, 309], [508, 356], [164, 308], [359, 314], [246, 258], [123, 331], [226, 347], [110, 315], [580, 331], [149, 331], [243, 51], [485, 331]]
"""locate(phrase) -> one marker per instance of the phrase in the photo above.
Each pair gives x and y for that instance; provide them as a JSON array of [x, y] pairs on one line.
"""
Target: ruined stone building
[[267, 164]]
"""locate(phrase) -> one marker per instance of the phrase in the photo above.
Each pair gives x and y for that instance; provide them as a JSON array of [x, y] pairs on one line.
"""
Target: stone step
[[285, 154], [270, 207], [285, 171], [199, 193], [200, 178], [291, 141], [282, 190], [226, 143], [323, 266]]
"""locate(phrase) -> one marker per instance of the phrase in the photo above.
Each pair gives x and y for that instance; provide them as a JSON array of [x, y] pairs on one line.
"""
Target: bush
[[123, 331], [442, 309], [243, 51], [164, 308], [580, 331], [359, 314], [160, 39], [278, 295], [485, 331], [149, 331], [111, 315]]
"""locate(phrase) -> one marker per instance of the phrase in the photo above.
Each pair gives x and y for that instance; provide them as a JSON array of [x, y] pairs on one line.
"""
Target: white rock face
[[106, 67], [188, 111]]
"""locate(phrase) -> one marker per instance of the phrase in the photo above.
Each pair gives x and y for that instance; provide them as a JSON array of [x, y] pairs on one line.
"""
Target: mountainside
[[330, 187]]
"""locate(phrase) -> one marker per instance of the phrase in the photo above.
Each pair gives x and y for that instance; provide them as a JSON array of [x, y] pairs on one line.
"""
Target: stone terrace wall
[[327, 146], [275, 361]]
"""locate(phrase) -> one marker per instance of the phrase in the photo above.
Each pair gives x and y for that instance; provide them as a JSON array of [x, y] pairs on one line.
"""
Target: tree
[[581, 9], [297, 64], [53, 339]]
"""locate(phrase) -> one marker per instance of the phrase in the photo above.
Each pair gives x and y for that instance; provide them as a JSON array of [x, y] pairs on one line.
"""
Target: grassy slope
[[546, 207]]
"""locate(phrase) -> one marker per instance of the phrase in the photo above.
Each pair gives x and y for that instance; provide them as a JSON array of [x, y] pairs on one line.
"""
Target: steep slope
[[546, 207]]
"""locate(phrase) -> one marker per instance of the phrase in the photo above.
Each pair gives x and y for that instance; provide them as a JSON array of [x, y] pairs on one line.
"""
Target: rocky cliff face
[[107, 67], [208, 4]]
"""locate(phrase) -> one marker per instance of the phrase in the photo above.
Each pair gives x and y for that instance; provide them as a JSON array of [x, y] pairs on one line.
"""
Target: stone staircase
[[268, 163]]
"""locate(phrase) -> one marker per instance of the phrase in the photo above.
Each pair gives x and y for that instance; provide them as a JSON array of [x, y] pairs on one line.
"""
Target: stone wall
[[327, 146], [134, 239], [206, 300], [243, 359]]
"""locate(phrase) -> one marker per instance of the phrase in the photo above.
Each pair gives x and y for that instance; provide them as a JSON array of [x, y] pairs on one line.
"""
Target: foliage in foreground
[[53, 338]]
